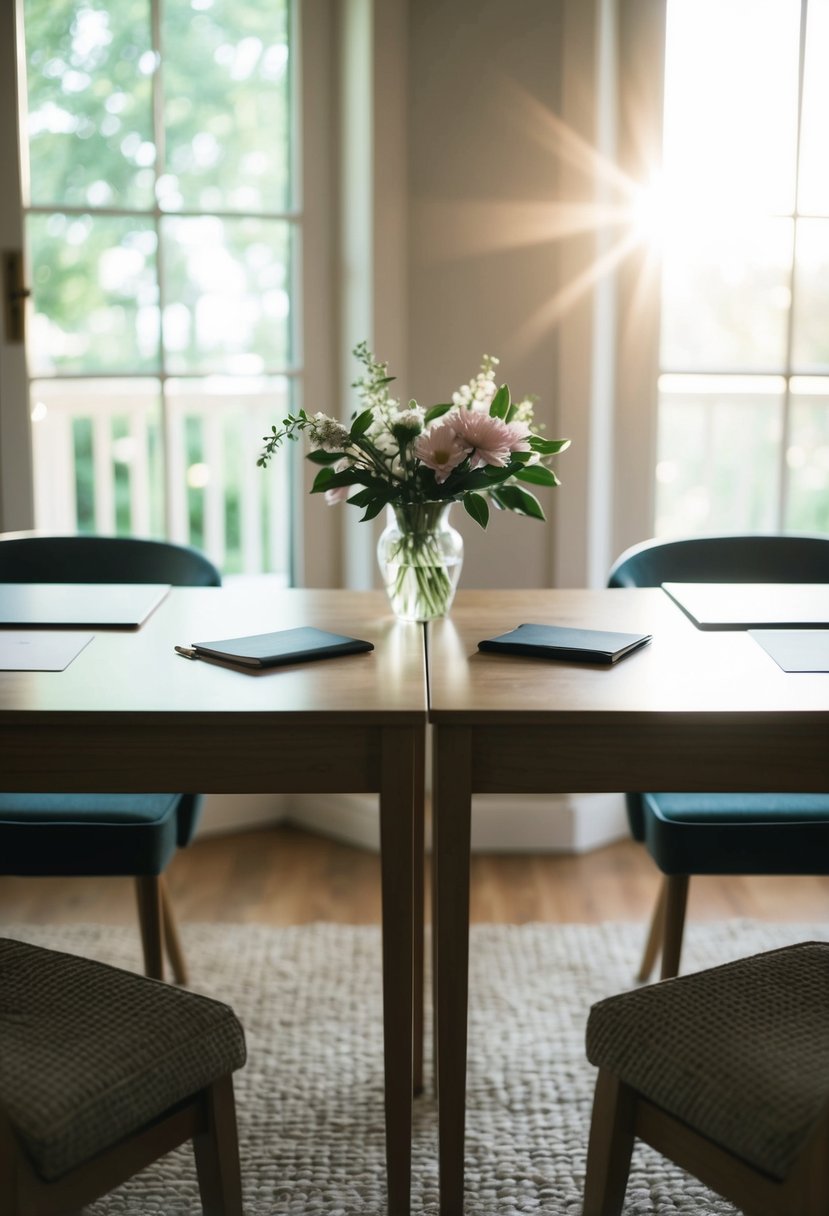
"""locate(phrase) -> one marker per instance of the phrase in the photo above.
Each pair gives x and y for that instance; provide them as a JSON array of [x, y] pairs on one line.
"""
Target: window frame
[[312, 210]]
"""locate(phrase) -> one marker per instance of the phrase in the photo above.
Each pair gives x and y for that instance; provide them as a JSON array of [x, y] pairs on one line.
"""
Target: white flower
[[407, 424], [411, 419], [478, 394], [329, 434]]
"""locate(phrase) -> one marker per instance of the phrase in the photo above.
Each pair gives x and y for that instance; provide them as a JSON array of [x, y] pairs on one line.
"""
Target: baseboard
[[224, 813], [550, 823], [351, 818], [553, 823]]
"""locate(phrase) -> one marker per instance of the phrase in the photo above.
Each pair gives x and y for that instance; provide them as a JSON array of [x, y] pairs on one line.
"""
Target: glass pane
[[226, 107], [226, 295], [731, 105], [97, 456], [220, 501], [811, 297], [95, 294], [718, 454], [807, 456], [814, 163], [89, 72], [726, 296]]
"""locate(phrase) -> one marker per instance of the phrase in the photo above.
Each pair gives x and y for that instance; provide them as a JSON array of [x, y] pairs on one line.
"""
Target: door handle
[[15, 294]]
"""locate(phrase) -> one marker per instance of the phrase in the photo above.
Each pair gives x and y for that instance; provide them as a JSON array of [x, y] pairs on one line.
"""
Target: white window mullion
[[785, 436], [175, 472], [139, 468], [103, 469], [214, 489]]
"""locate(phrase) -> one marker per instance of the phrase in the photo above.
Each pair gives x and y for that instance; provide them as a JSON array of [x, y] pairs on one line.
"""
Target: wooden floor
[[283, 876]]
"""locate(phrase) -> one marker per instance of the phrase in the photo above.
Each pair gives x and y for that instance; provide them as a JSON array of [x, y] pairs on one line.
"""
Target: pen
[[186, 652]]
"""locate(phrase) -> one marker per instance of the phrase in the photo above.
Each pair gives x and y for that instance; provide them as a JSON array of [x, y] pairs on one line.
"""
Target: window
[[163, 245], [743, 420]]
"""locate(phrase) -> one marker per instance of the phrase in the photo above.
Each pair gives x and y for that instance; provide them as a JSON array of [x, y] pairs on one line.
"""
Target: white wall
[[482, 268]]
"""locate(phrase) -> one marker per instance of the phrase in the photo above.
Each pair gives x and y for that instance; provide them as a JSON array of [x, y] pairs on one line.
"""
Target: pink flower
[[520, 432], [341, 493], [492, 438], [441, 449]]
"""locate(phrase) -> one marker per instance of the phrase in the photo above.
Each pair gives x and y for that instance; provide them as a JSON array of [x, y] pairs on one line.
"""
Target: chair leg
[[610, 1146], [676, 899], [150, 919], [172, 941], [217, 1153], [656, 933]]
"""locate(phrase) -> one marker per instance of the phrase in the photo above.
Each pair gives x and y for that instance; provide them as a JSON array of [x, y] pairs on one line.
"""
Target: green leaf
[[547, 447], [476, 479], [322, 480], [436, 411], [520, 501], [373, 509], [361, 424], [327, 479], [363, 497], [499, 407], [538, 475], [320, 456], [496, 472], [476, 506]]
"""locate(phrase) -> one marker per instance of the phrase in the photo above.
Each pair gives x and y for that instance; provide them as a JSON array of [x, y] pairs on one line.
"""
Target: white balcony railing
[[110, 457]]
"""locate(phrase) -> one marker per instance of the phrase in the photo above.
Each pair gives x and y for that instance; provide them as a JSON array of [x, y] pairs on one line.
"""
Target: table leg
[[418, 908], [452, 803], [399, 750]]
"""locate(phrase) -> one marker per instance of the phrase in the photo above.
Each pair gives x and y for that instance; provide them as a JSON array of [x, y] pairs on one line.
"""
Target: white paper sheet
[[39, 649]]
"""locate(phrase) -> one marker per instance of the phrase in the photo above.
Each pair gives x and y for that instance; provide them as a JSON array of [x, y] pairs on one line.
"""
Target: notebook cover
[[566, 643], [284, 646], [795, 649]]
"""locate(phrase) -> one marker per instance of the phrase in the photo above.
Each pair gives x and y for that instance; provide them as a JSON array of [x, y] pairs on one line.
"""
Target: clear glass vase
[[420, 557]]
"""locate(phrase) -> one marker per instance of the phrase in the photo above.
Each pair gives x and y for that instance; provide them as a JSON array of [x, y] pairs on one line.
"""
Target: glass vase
[[420, 557]]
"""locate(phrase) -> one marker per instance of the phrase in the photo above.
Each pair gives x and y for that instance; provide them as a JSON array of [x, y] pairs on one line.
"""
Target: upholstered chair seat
[[727, 1073], [92, 1059]]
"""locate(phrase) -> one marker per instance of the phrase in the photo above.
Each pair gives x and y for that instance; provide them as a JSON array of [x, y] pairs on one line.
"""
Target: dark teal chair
[[90, 835], [714, 833]]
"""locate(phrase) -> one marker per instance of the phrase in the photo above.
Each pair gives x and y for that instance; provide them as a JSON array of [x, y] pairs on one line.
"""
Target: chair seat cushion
[[88, 834], [740, 1052], [737, 833], [90, 1053]]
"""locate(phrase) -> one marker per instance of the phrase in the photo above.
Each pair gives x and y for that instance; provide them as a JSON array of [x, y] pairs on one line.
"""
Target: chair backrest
[[753, 558], [35, 558], [724, 559]]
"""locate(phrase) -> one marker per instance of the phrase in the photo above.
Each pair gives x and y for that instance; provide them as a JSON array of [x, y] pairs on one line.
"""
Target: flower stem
[[421, 561]]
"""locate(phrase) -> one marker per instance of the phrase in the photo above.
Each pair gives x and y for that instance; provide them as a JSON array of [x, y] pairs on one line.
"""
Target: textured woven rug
[[310, 1099]]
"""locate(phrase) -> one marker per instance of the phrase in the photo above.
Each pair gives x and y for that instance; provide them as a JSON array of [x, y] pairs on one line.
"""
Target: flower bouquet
[[478, 449]]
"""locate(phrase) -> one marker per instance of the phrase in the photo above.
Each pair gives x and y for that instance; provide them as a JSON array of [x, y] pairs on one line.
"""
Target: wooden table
[[130, 715], [691, 711]]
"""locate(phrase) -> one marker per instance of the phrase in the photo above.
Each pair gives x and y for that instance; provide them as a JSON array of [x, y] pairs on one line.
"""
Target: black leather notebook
[[275, 649], [565, 643]]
